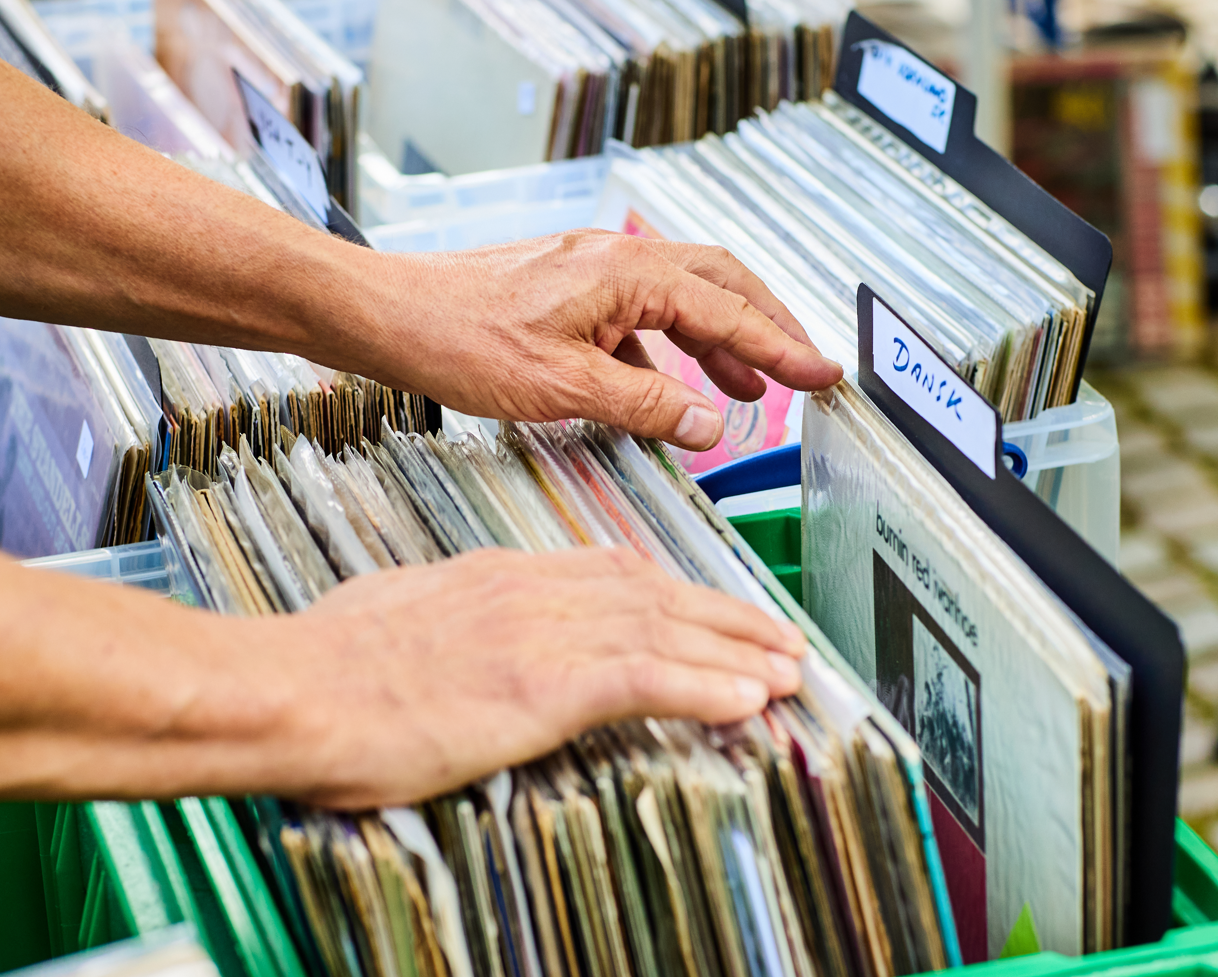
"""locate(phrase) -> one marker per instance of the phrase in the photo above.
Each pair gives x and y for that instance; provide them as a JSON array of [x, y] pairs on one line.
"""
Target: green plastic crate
[[103, 871]]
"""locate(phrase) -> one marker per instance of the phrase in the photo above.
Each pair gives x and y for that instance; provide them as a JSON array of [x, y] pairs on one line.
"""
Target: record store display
[[556, 79], [791, 845], [961, 758]]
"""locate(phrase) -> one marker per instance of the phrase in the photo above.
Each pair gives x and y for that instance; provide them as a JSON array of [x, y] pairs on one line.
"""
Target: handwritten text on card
[[908, 91], [295, 160], [916, 374]]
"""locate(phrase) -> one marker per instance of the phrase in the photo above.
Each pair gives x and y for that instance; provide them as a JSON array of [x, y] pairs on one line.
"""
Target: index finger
[[720, 267], [707, 314]]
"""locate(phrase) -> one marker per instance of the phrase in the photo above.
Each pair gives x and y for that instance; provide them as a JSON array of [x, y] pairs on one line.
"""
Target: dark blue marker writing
[[896, 362]]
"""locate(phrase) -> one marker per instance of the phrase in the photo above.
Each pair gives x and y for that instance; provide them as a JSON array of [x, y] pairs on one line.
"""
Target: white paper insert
[[915, 373], [296, 162], [908, 91]]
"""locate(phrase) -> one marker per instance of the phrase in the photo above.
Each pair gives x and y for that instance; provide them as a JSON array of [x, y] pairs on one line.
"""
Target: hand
[[545, 329], [415, 681]]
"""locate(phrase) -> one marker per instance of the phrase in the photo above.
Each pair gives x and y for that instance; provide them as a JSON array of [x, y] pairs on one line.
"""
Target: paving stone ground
[[1167, 423]]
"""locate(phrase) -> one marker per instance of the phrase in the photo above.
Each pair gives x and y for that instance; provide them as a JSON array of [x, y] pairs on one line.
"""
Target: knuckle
[[625, 560], [645, 681], [642, 402], [655, 633]]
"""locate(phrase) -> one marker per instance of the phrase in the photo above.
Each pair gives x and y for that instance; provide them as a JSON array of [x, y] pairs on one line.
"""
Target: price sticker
[[908, 91], [84, 449], [920, 377], [296, 162]]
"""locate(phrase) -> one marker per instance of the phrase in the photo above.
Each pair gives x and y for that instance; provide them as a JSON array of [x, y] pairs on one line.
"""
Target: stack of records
[[83, 420], [536, 80], [215, 396], [133, 413], [200, 43], [84, 390], [959, 639], [793, 844], [816, 198], [26, 44]]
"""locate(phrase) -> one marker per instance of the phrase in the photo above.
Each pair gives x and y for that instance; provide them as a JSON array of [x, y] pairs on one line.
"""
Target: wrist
[[254, 703], [365, 321]]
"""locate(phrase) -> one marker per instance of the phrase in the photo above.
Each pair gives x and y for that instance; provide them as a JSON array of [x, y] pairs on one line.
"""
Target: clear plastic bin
[[1074, 465], [436, 212], [80, 25], [137, 564]]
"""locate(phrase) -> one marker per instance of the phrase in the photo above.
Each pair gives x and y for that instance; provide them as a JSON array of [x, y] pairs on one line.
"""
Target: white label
[[296, 162], [526, 98], [84, 449], [908, 91], [915, 373]]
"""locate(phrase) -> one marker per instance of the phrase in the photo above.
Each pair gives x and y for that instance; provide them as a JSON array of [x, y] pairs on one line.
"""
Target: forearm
[[108, 692], [99, 231]]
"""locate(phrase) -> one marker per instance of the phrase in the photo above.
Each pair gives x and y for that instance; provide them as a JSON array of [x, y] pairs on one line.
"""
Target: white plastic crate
[[346, 25], [80, 25], [137, 564], [438, 213], [1073, 464]]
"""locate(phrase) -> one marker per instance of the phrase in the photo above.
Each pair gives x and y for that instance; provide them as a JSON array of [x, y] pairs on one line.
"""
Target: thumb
[[649, 404]]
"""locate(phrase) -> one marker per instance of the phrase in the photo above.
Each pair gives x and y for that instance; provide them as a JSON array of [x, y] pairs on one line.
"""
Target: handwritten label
[[84, 449], [296, 162], [908, 91], [915, 373]]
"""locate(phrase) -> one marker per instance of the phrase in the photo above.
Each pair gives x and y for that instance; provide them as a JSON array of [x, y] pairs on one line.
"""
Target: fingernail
[[699, 427], [753, 692], [794, 635], [784, 667]]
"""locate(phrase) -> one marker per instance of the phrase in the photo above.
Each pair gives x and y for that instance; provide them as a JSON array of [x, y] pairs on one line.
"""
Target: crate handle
[[779, 467], [769, 469]]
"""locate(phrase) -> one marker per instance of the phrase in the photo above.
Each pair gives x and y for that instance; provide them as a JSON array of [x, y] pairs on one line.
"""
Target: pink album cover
[[746, 427]]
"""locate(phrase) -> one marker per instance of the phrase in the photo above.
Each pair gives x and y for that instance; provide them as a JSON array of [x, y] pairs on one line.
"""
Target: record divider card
[[952, 439]]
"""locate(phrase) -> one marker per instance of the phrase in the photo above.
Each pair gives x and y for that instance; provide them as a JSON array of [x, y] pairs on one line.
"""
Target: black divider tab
[[1091, 587], [935, 116]]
